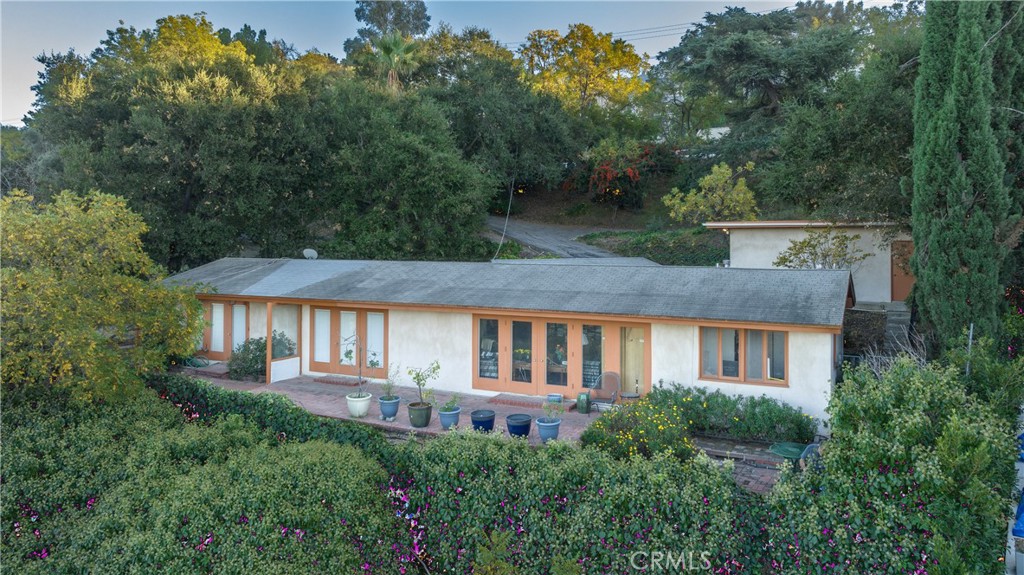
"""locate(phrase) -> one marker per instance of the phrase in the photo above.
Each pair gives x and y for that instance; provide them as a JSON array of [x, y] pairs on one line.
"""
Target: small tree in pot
[[359, 401], [420, 411]]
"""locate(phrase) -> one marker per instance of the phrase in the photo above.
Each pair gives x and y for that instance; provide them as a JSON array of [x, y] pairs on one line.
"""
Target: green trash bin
[[583, 403]]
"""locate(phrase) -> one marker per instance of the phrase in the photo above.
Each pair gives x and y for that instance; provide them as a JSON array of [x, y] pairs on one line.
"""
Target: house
[[882, 278], [537, 326]]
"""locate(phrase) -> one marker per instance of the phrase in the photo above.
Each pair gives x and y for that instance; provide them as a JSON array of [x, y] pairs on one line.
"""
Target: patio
[[756, 469]]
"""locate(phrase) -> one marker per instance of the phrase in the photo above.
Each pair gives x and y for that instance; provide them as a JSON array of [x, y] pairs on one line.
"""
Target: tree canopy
[[961, 200], [402, 17], [219, 153], [83, 306], [583, 68]]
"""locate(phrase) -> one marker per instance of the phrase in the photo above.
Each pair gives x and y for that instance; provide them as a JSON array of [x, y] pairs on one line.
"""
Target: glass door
[[633, 360], [556, 363], [592, 344], [523, 357]]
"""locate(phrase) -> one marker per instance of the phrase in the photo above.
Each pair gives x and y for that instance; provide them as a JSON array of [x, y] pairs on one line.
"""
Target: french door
[[537, 356], [348, 340]]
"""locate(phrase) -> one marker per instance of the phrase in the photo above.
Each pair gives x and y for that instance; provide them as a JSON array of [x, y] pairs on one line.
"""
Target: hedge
[[201, 400], [130, 487], [564, 502]]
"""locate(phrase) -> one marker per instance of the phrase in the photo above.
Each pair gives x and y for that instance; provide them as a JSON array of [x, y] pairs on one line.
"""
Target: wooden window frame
[[742, 359], [334, 365]]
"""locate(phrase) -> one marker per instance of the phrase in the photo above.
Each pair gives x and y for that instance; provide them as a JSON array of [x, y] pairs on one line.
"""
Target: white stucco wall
[[872, 279], [675, 358], [416, 338], [282, 369]]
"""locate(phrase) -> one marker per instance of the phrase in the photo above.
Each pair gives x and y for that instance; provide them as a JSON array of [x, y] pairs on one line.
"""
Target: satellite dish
[[310, 253]]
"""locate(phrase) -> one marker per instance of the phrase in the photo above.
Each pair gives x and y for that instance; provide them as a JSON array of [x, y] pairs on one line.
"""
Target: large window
[[749, 355]]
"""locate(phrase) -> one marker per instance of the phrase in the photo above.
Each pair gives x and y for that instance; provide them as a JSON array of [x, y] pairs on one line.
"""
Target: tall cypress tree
[[960, 198], [1008, 123]]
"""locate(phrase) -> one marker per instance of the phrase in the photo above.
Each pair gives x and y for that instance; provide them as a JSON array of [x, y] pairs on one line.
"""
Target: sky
[[29, 28]]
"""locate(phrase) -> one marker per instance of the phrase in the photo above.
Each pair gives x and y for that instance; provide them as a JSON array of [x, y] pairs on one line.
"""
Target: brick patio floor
[[756, 469]]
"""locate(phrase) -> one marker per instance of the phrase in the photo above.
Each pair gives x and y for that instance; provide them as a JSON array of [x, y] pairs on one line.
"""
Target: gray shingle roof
[[802, 297]]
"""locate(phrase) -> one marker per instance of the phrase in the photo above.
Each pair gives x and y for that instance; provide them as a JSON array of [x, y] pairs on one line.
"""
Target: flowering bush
[[641, 428], [564, 502], [130, 487], [737, 416], [917, 478], [203, 401]]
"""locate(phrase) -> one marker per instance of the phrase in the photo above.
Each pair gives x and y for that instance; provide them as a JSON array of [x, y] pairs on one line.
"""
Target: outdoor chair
[[606, 391]]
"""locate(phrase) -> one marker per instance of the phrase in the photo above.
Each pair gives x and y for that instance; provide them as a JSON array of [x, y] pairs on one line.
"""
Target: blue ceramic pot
[[547, 428], [518, 424], [449, 418], [389, 407], [483, 419]]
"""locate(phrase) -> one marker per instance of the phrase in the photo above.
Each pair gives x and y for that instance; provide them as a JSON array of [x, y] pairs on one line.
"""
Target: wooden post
[[270, 338]]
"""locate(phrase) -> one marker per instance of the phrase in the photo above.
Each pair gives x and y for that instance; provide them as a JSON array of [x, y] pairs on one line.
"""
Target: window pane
[[238, 313], [374, 339], [348, 338], [217, 327], [730, 353], [593, 355], [709, 350], [558, 358], [755, 354], [777, 354], [322, 335], [522, 351], [489, 348]]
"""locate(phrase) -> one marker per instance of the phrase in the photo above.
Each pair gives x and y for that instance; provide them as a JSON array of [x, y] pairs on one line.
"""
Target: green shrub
[[564, 503], [737, 416], [203, 401], [641, 428], [249, 359], [129, 487], [918, 475], [686, 247], [994, 380]]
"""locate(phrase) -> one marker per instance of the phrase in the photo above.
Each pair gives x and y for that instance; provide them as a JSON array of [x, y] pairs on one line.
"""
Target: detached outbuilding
[[883, 277], [535, 327]]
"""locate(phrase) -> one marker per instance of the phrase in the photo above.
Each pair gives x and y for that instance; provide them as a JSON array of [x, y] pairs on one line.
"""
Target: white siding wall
[[675, 358], [758, 248]]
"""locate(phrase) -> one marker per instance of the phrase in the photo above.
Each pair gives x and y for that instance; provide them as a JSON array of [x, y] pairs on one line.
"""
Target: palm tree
[[397, 55]]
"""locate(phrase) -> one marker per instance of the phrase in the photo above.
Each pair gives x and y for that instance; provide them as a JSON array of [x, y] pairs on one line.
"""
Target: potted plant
[[420, 411], [388, 400], [547, 426], [359, 401], [449, 412]]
